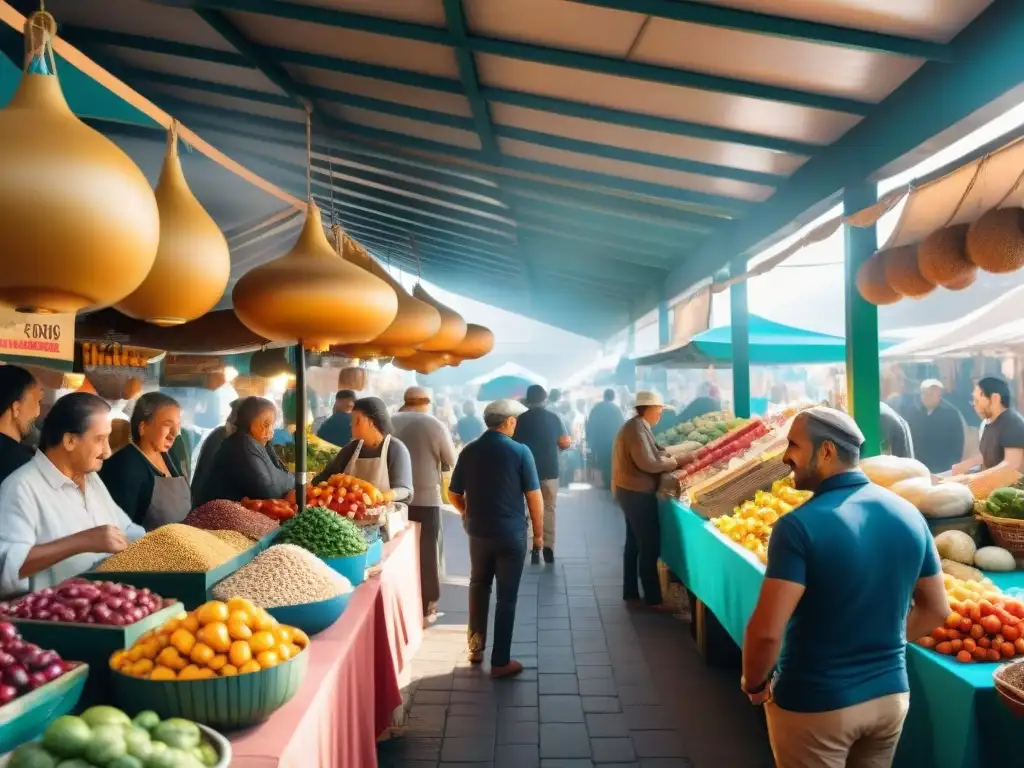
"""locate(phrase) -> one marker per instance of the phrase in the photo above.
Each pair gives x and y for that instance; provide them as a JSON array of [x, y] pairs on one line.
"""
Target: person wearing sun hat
[[637, 465]]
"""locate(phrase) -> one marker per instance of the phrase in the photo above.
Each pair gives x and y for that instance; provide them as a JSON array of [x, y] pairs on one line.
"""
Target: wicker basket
[[1006, 533], [723, 499]]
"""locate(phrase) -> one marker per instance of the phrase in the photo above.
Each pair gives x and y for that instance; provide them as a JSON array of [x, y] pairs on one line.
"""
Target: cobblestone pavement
[[603, 683]]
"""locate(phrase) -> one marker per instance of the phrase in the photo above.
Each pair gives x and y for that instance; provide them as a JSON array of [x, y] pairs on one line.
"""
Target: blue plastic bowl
[[312, 618], [25, 718], [375, 553], [352, 568]]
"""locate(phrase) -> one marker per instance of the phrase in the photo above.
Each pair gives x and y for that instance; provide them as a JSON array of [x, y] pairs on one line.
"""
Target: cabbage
[[995, 559], [947, 500], [886, 471], [956, 546]]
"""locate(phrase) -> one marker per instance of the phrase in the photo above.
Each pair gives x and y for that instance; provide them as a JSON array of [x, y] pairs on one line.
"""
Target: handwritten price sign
[[49, 337]]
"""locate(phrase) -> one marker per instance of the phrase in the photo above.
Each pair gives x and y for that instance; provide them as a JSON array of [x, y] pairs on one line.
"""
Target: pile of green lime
[[105, 737]]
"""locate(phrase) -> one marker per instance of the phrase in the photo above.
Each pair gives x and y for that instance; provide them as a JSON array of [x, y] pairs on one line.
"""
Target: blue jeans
[[490, 560]]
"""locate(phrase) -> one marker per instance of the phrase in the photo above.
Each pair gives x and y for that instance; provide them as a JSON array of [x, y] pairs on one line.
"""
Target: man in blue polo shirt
[[836, 601], [492, 476]]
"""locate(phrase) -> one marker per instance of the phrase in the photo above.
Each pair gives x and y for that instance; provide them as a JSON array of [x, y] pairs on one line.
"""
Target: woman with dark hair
[[57, 518], [143, 478], [20, 397], [242, 466], [374, 454]]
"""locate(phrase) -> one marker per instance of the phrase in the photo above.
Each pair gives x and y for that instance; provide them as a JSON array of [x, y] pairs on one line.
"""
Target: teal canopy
[[771, 343]]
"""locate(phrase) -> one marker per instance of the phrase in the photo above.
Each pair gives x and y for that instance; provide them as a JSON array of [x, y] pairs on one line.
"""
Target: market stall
[[955, 720]]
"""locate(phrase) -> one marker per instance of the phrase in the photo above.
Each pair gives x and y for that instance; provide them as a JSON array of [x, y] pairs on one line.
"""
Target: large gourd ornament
[[453, 327], [79, 225], [193, 262], [478, 341], [416, 321]]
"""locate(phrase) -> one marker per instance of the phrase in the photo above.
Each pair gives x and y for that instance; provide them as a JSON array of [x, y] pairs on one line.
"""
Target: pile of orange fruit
[[217, 639]]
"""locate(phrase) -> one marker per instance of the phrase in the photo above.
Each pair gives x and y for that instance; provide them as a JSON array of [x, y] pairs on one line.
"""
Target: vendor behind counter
[[20, 398], [56, 517], [142, 477]]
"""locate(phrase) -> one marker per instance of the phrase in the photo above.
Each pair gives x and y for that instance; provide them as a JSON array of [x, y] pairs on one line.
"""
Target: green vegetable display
[[104, 737], [324, 533], [701, 430], [1006, 502]]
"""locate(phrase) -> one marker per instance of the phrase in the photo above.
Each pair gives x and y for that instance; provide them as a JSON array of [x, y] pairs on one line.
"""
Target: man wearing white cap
[[937, 427], [835, 612], [637, 465], [432, 452], [493, 475]]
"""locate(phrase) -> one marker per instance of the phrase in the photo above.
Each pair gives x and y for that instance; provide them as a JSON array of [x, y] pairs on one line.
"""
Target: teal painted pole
[[740, 324], [664, 324], [862, 365]]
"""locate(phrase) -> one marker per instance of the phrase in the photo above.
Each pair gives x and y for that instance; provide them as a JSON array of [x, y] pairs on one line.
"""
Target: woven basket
[[1006, 533], [723, 499]]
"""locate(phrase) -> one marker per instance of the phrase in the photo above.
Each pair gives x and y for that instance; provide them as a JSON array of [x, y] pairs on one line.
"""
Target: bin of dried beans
[[222, 515]]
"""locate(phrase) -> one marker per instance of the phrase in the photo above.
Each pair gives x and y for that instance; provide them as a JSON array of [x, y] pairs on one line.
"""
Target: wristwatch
[[754, 691]]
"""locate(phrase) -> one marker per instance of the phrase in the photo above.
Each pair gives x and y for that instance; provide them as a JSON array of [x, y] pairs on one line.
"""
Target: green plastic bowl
[[312, 618], [224, 703], [27, 717]]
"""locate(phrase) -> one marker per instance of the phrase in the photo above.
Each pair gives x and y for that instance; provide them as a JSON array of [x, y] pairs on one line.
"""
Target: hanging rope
[[416, 255], [309, 153], [39, 30], [330, 176]]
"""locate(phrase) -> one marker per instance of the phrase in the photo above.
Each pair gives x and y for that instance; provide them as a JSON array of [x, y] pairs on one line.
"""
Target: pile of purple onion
[[86, 602], [24, 666]]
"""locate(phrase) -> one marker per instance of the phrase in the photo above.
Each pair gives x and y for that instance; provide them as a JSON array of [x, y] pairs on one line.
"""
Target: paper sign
[[44, 336]]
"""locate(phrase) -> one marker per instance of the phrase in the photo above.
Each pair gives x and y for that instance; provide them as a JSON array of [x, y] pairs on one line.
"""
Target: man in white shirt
[[430, 446], [56, 517]]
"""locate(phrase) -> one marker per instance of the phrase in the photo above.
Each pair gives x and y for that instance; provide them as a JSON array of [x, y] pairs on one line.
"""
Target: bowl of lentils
[[295, 587]]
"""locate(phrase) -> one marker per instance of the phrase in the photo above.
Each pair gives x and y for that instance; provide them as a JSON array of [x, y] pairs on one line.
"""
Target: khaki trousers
[[549, 491], [862, 736]]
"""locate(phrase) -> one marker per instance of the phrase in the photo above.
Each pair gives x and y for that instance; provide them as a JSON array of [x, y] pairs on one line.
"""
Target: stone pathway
[[603, 683]]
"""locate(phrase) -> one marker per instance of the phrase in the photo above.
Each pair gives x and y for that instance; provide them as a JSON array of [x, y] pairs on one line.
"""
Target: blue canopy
[[771, 343]]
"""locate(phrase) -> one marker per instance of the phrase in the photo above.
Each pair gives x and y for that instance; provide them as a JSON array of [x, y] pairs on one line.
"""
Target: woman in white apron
[[142, 477], [374, 455]]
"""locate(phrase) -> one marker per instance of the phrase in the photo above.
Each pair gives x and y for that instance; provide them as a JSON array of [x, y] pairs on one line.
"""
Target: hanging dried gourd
[[193, 262], [311, 294], [902, 274], [479, 341], [79, 225], [453, 327], [995, 242], [942, 256], [415, 322], [421, 362], [871, 281]]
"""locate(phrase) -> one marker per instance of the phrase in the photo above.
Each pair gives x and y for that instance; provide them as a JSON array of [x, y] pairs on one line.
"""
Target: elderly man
[[56, 516], [493, 475], [840, 693], [432, 452], [543, 432]]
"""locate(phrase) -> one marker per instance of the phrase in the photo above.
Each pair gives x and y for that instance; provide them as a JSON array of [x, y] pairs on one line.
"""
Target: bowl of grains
[[295, 587], [222, 515], [1009, 683]]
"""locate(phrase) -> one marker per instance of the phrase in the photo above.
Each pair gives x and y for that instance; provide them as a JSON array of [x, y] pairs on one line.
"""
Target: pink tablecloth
[[355, 670]]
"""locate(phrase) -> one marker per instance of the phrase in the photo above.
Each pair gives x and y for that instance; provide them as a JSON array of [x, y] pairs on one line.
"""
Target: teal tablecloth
[[956, 719]]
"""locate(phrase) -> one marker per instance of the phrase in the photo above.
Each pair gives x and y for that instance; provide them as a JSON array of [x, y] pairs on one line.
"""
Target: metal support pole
[[300, 426], [739, 323], [862, 365]]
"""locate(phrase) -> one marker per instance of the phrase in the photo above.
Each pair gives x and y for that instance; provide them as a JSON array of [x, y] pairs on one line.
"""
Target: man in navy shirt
[[543, 432], [490, 479], [835, 607]]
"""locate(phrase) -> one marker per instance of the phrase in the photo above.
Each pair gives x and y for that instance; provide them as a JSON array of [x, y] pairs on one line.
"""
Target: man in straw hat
[[842, 571]]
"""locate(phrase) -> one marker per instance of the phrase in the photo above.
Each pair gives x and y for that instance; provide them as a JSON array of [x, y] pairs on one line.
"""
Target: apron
[[170, 503], [373, 471]]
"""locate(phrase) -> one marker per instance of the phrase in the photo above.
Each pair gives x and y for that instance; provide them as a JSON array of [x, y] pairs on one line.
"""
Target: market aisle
[[603, 684]]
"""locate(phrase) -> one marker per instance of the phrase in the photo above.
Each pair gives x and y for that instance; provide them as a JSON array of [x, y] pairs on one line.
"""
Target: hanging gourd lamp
[[416, 321], [79, 225], [193, 262], [421, 362], [478, 341], [453, 327], [311, 294]]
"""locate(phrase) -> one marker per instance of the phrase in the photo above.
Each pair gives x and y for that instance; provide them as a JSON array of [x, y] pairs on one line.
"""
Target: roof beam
[[536, 53], [434, 117], [445, 85], [780, 26], [932, 100], [456, 20]]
